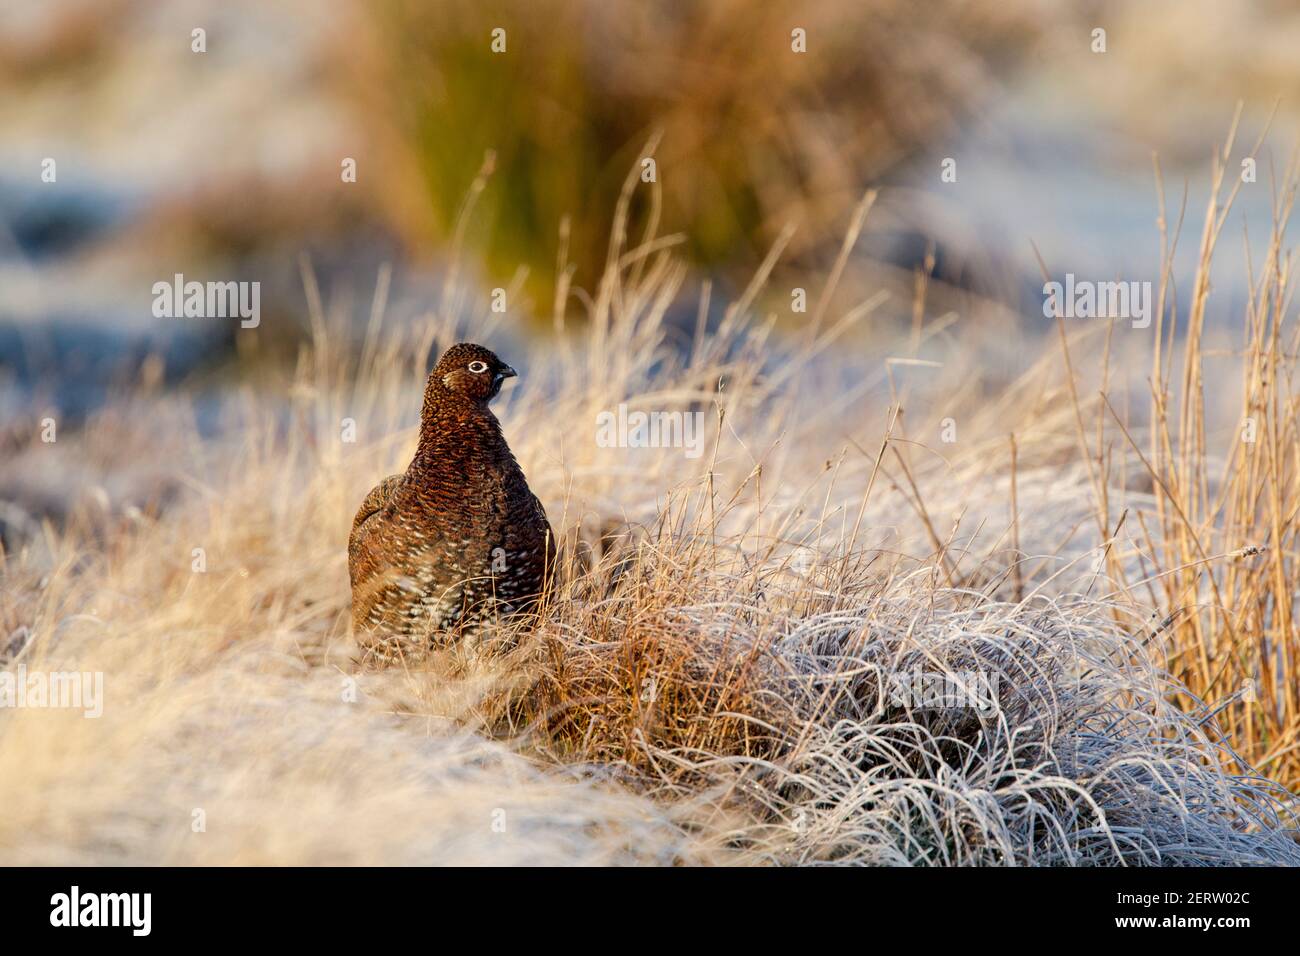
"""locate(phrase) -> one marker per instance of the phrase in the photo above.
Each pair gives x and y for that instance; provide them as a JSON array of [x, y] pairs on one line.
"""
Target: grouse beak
[[505, 371]]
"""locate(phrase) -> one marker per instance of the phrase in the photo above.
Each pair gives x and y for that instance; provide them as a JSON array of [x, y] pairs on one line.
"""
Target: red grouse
[[459, 536]]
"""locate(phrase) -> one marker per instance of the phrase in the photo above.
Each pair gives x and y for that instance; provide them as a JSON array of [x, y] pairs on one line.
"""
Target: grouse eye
[[478, 367]]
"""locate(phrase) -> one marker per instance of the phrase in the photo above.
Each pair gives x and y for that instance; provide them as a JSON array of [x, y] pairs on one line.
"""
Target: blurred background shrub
[[754, 134]]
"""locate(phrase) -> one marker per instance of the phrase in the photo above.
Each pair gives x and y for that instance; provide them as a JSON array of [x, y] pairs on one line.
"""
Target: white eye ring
[[478, 367]]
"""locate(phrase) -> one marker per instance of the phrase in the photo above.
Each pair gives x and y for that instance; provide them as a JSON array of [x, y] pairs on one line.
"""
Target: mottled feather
[[459, 536]]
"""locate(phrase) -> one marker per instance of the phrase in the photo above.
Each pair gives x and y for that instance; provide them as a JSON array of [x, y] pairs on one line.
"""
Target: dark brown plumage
[[459, 536]]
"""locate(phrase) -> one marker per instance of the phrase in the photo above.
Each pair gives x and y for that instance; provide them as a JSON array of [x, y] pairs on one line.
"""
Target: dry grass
[[716, 678], [1217, 548]]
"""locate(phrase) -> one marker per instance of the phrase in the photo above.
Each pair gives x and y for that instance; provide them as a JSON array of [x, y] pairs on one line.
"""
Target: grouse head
[[472, 372]]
